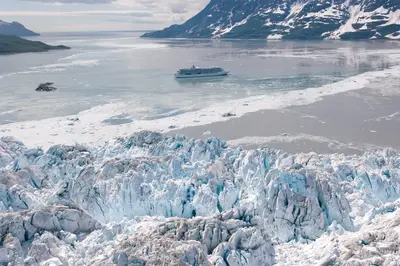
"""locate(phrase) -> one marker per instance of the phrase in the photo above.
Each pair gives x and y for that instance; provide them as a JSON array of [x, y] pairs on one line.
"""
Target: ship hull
[[223, 73]]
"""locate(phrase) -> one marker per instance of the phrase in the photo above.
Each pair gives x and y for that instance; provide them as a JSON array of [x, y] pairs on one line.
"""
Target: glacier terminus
[[151, 199]]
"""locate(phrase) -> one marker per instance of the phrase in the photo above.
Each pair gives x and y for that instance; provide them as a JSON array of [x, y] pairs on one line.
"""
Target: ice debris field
[[149, 199]]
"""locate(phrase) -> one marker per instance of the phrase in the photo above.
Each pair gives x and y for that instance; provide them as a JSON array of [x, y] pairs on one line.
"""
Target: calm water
[[113, 67]]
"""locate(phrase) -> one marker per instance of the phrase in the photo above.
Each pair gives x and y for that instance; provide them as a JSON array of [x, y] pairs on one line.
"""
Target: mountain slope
[[14, 44], [16, 29], [291, 19]]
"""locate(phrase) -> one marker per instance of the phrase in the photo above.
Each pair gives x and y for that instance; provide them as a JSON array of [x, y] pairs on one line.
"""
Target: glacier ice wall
[[150, 199]]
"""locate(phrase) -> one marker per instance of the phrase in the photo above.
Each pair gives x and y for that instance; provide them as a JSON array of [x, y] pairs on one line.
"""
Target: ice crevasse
[[150, 199]]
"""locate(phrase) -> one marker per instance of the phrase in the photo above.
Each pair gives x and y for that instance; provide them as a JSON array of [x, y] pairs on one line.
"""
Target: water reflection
[[200, 81]]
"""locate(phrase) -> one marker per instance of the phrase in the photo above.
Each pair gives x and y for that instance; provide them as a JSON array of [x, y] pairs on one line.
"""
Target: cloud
[[172, 6], [178, 8], [135, 21], [137, 14], [74, 1], [166, 6]]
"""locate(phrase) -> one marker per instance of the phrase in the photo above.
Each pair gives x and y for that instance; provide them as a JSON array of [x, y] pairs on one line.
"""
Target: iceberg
[[151, 199]]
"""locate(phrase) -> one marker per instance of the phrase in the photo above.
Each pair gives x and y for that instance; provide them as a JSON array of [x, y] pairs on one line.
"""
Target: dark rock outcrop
[[46, 87]]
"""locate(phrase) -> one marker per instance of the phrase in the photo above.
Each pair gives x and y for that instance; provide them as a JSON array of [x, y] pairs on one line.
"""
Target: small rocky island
[[13, 45], [46, 87]]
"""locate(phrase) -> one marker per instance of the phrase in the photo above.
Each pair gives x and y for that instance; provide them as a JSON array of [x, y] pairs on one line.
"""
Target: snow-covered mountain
[[15, 28], [149, 199], [291, 19]]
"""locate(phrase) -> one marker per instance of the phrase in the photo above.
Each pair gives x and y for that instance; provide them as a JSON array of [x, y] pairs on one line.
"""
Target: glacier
[[152, 199]]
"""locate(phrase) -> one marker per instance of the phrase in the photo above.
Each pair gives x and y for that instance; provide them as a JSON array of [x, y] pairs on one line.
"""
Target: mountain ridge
[[291, 19], [16, 29], [15, 45]]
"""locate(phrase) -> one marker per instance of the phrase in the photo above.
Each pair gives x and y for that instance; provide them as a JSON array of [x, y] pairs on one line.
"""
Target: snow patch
[[274, 36]]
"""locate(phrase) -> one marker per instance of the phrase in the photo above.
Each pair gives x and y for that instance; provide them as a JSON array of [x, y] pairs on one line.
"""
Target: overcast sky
[[87, 15]]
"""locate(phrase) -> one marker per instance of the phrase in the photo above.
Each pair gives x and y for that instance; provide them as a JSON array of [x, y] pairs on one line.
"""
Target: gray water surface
[[113, 67]]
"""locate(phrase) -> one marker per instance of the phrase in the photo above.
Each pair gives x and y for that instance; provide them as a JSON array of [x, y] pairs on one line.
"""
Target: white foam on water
[[18, 73], [280, 138], [10, 111], [91, 129], [72, 41], [85, 40], [93, 53], [384, 118], [73, 56], [334, 145], [109, 44], [54, 67], [75, 63], [352, 56]]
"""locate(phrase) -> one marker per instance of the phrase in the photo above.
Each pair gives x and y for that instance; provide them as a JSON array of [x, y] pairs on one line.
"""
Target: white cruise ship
[[196, 72]]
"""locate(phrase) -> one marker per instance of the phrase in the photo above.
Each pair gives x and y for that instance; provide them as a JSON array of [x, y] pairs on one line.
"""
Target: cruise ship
[[196, 72]]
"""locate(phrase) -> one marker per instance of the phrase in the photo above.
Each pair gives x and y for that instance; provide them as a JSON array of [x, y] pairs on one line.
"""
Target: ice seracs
[[194, 202]]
